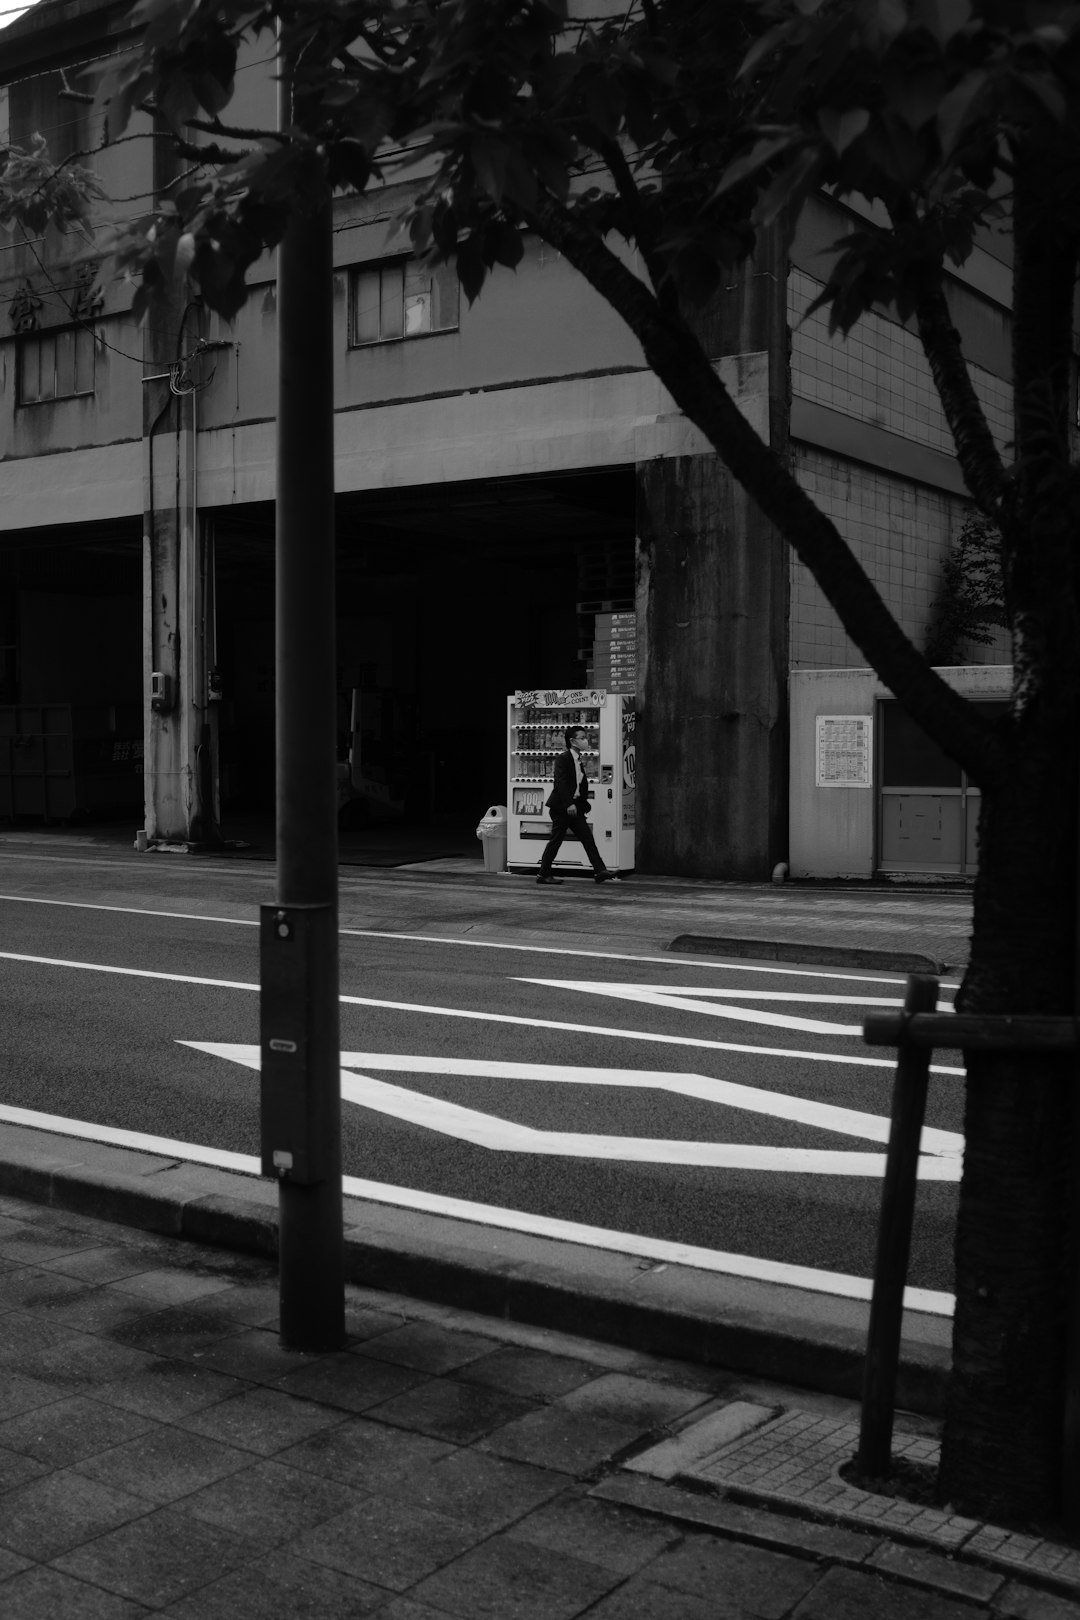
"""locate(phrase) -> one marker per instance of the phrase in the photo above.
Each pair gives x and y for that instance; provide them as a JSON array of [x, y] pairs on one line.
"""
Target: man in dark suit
[[568, 802]]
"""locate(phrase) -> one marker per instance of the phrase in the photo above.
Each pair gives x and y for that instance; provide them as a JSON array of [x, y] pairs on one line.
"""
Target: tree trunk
[[1002, 1445]]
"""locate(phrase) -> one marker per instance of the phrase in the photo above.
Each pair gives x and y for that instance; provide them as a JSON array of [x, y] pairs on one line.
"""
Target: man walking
[[568, 802]]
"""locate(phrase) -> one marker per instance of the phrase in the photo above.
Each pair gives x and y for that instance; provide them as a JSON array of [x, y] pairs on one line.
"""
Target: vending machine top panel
[[561, 697]]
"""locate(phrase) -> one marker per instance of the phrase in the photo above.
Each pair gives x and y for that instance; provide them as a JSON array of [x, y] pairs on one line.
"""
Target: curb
[[785, 1334], [767, 950]]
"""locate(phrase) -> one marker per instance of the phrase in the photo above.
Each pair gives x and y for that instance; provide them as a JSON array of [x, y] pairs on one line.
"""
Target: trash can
[[492, 835]]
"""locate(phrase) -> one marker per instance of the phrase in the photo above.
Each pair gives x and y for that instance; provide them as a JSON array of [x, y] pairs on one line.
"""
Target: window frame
[[51, 334], [398, 263]]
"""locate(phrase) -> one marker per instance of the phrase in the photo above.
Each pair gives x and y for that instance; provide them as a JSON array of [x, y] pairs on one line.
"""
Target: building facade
[[504, 473]]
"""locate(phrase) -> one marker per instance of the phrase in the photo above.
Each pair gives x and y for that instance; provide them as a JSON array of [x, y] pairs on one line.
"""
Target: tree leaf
[[841, 128], [943, 18], [958, 106]]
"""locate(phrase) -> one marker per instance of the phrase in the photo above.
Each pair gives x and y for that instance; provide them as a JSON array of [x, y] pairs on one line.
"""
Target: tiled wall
[[901, 531], [879, 374]]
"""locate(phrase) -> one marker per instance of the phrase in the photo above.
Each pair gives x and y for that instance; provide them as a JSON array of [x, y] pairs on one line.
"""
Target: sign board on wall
[[843, 750]]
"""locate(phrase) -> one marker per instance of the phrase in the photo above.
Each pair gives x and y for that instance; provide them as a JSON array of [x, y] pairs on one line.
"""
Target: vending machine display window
[[536, 722]]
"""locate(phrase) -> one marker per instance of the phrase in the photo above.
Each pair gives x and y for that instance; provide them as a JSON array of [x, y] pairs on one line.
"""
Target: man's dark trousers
[[561, 824]]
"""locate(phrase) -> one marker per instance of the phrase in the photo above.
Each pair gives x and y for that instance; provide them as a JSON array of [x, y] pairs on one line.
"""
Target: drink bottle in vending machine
[[536, 721]]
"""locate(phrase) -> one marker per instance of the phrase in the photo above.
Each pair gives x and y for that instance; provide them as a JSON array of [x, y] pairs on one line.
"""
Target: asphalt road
[[681, 1099]]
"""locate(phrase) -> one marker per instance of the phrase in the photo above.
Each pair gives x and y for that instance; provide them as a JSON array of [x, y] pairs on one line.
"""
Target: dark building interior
[[449, 598]]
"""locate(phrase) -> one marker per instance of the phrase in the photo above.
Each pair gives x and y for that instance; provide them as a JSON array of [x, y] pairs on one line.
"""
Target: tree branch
[[613, 156], [984, 471], [681, 365]]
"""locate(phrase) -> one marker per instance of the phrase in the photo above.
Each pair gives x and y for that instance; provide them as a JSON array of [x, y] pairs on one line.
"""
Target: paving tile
[[46, 1594], [642, 1599], [451, 1411], [392, 1543], [936, 1570], [68, 1430], [370, 1456], [766, 1583], [556, 1438], [761, 1525], [640, 1401], [261, 1420], [511, 1580], [34, 1290], [51, 1514], [168, 1286], [285, 1586], [849, 1594], [29, 1246], [157, 1559], [1020, 1554], [407, 1609], [95, 1310], [485, 1491], [426, 1346], [255, 1354], [21, 1394], [1028, 1603], [11, 1563], [363, 1322], [269, 1502], [165, 1464], [81, 1361], [18, 1469], [533, 1374], [23, 1336], [169, 1389], [103, 1264], [180, 1330], [597, 1531], [350, 1382], [249, 1304]]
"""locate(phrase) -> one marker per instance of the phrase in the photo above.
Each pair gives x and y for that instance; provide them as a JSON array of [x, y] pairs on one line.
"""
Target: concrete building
[[504, 473]]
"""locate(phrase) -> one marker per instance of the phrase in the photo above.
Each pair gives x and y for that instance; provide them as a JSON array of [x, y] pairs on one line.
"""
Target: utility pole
[[299, 1010], [1070, 1449]]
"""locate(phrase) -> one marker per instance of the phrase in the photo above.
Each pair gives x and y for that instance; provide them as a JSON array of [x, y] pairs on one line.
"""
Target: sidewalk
[[160, 1453], [888, 926]]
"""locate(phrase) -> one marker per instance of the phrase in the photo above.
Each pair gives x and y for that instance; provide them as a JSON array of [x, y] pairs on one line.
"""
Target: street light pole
[[299, 1013]]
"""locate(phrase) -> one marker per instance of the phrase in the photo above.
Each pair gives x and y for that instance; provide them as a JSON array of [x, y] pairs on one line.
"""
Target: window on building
[[55, 365], [401, 299]]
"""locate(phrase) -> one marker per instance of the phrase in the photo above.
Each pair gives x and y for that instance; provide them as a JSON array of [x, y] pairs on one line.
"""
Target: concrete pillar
[[169, 759], [712, 602]]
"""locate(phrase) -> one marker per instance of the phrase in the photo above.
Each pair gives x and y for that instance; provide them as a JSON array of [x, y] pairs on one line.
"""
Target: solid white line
[[929, 1301], [127, 972], [58, 1125], [671, 960], [493, 1018], [131, 911]]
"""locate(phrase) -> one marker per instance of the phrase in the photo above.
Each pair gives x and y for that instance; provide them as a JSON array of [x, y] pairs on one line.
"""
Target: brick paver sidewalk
[[160, 1453]]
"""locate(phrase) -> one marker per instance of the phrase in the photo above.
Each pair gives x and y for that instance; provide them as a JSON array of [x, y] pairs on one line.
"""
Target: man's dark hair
[[572, 731]]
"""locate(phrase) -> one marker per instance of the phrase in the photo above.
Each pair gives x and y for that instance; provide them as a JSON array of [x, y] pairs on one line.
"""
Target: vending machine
[[536, 721]]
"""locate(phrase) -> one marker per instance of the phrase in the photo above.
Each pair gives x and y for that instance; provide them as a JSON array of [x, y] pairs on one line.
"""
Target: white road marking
[[670, 960], [413, 1007], [693, 999], [127, 972], [131, 911], [930, 1301], [661, 996], [941, 1150]]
